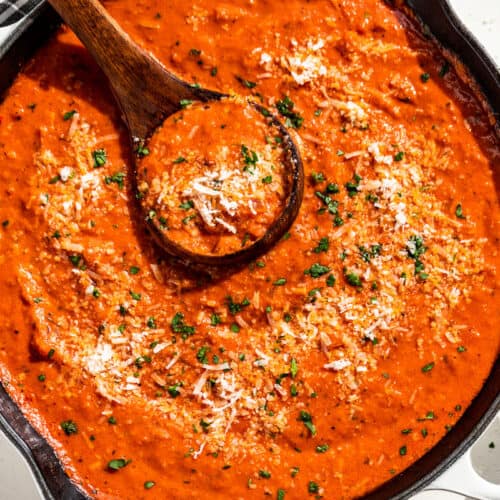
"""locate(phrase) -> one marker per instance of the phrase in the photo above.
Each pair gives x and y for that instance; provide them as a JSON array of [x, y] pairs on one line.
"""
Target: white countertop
[[482, 17]]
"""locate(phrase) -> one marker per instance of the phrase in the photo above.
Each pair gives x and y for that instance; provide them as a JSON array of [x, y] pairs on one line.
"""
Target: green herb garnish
[[100, 158], [69, 427]]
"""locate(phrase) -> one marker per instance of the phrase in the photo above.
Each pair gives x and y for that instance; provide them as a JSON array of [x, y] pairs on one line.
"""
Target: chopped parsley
[[323, 245], [425, 77], [332, 188], [430, 415], [267, 180], [264, 474], [280, 282], [322, 448], [205, 425], [201, 355], [142, 150], [249, 157], [459, 212], [236, 307], [118, 463], [100, 158], [179, 159], [330, 203], [353, 279], [179, 326], [69, 114], [399, 156], [139, 362], [215, 319], [134, 270], [148, 485], [306, 419], [338, 221], [368, 254], [352, 186], [186, 205], [69, 427], [312, 487], [77, 261], [403, 450], [184, 103], [117, 178], [428, 367], [317, 270], [285, 107], [172, 390], [188, 218], [318, 177], [415, 248], [246, 83], [294, 368], [371, 198]]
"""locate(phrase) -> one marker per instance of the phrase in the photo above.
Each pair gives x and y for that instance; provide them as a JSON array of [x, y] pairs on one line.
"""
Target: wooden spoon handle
[[144, 89]]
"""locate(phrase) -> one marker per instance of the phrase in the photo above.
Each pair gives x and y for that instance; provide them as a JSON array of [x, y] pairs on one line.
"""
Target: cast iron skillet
[[451, 33]]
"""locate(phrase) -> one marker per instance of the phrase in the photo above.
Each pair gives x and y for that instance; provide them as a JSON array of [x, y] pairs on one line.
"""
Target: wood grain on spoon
[[144, 89], [147, 94]]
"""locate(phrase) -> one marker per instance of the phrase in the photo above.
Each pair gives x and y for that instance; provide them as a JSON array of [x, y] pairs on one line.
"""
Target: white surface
[[464, 477], [482, 17]]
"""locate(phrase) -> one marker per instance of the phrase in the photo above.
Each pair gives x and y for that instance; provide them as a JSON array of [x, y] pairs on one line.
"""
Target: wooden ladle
[[147, 94]]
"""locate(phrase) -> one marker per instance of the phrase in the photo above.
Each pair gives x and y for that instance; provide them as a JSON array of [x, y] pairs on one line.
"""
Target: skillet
[[438, 19]]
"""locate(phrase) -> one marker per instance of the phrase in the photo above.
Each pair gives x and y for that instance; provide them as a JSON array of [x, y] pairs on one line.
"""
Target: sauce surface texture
[[322, 369]]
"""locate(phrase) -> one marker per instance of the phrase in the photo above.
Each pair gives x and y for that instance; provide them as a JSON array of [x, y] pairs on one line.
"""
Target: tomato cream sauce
[[324, 368]]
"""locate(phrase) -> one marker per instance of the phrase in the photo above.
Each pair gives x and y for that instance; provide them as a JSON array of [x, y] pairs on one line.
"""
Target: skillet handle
[[463, 478], [12, 11]]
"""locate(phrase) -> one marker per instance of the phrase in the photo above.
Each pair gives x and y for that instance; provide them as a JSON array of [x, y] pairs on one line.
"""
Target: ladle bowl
[[147, 93]]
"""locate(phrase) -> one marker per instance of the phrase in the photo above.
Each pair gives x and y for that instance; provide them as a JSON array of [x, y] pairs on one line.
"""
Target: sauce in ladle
[[214, 176], [238, 225]]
